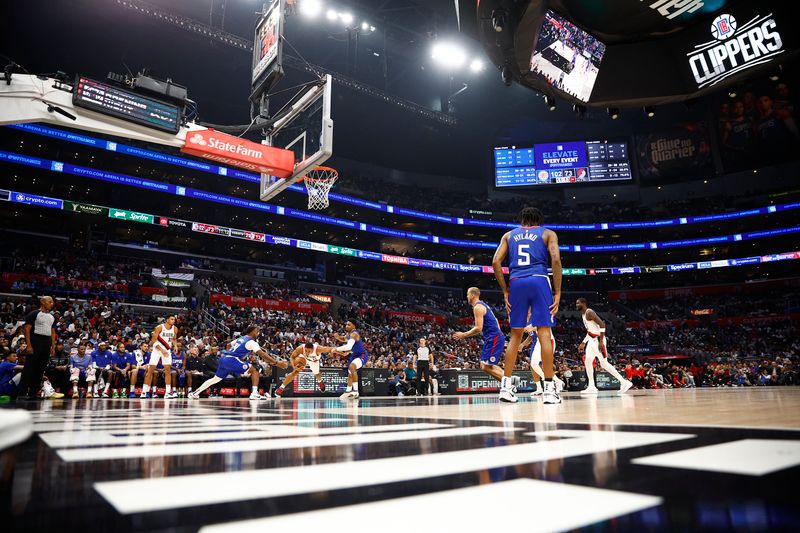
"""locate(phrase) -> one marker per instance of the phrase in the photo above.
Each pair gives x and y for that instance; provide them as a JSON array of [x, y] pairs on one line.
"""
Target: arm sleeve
[[30, 318], [346, 347], [252, 346]]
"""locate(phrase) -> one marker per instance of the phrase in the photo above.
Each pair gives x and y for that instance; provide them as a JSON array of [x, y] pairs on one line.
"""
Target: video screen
[[561, 163], [567, 57]]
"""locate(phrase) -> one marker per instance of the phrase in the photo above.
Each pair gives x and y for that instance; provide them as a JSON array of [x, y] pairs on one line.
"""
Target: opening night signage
[[736, 46]]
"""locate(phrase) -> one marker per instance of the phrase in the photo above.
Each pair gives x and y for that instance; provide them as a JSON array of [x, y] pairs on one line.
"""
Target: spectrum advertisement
[[221, 231], [55, 133]]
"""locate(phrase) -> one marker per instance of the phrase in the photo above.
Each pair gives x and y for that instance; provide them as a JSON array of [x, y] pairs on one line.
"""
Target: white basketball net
[[318, 184]]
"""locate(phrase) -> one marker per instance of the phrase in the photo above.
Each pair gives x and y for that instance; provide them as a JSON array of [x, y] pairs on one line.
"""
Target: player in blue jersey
[[234, 361], [353, 345], [529, 249], [493, 339], [10, 375], [179, 370], [120, 366], [102, 364]]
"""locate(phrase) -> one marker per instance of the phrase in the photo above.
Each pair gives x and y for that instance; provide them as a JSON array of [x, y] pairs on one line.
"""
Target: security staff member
[[423, 364], [40, 337]]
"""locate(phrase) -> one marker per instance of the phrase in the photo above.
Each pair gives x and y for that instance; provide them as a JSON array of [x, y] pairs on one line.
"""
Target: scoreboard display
[[127, 105], [561, 163]]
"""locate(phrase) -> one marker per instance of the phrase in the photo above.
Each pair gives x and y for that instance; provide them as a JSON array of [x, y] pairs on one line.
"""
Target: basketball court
[[679, 459], [668, 459]]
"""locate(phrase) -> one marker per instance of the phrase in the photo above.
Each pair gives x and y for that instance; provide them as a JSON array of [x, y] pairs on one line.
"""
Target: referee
[[423, 362], [40, 337]]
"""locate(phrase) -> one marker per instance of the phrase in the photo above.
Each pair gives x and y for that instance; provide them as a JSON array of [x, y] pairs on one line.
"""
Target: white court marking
[[559, 500], [208, 489], [92, 438], [132, 452], [751, 457]]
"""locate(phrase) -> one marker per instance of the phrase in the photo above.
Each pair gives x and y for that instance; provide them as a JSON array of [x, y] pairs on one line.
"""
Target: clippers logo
[[723, 27], [734, 48]]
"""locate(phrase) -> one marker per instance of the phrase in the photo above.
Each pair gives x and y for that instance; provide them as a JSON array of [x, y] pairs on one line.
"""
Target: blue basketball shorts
[[229, 364], [530, 294], [493, 349]]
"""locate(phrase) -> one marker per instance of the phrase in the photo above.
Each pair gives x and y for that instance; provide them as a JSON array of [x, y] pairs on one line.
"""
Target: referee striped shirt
[[41, 322]]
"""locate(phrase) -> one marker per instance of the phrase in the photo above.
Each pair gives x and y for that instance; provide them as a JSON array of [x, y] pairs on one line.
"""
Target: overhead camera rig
[[128, 107]]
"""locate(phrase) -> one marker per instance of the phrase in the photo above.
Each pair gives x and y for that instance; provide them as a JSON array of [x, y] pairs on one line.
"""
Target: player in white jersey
[[595, 345], [537, 373], [307, 354], [162, 342]]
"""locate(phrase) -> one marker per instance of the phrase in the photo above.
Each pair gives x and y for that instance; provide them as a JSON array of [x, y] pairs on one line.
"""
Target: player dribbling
[[234, 361], [307, 354]]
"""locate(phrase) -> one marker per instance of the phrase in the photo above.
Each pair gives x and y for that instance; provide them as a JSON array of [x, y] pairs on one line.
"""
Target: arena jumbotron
[[324, 263]]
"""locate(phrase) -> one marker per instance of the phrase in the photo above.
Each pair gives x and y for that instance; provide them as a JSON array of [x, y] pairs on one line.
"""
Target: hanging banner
[[264, 303], [681, 152]]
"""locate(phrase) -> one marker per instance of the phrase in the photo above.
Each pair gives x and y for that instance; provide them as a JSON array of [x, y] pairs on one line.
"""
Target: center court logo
[[734, 48]]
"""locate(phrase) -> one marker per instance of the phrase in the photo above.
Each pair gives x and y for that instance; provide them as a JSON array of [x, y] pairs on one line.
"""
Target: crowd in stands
[[750, 304], [736, 355]]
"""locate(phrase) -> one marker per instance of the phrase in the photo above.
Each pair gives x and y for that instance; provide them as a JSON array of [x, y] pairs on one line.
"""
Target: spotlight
[[579, 110], [476, 65], [550, 102], [372, 28], [732, 93], [613, 112], [448, 54], [775, 75], [650, 111], [347, 18], [332, 14], [507, 75], [499, 20], [365, 26], [310, 8]]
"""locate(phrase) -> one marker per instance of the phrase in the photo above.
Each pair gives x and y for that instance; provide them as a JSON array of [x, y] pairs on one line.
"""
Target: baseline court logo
[[734, 48]]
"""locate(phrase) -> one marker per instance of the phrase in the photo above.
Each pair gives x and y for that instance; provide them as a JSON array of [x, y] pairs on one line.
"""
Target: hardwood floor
[[710, 459]]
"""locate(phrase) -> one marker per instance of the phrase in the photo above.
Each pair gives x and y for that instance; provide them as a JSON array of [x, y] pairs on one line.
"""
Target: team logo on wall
[[734, 48], [543, 176]]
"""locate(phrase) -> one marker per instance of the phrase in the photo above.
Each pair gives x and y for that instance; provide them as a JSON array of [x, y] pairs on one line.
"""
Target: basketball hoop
[[318, 184]]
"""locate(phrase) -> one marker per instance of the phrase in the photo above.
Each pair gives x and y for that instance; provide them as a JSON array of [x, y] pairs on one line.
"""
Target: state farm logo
[[20, 197], [734, 48], [198, 139]]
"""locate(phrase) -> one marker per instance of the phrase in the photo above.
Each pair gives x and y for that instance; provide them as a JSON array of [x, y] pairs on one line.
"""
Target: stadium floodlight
[[448, 54], [332, 14], [613, 112], [550, 102], [347, 18], [310, 8], [365, 26], [476, 65], [650, 111]]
